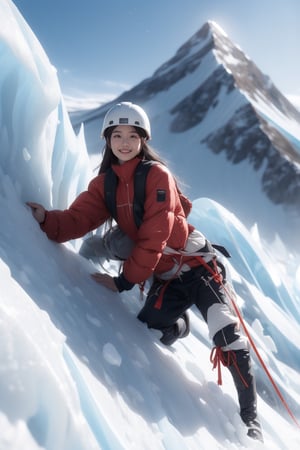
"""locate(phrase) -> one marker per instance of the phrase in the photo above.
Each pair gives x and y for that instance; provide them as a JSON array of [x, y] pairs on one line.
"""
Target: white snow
[[78, 371]]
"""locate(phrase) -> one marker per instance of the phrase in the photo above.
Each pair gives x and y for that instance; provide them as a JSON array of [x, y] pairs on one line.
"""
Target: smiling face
[[125, 143]]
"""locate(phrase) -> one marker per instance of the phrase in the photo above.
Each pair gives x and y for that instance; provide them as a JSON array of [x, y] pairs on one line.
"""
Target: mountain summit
[[247, 76], [226, 130]]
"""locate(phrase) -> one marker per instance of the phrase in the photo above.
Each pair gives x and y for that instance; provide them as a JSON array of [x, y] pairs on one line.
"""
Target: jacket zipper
[[129, 205]]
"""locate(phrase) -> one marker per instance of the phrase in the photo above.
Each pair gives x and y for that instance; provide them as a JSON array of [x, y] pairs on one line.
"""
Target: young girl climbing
[[182, 264]]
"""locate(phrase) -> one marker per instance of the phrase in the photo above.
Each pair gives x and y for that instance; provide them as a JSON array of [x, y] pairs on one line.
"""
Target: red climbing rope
[[217, 359]]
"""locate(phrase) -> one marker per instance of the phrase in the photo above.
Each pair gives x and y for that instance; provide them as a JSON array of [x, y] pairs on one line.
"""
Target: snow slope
[[77, 370]]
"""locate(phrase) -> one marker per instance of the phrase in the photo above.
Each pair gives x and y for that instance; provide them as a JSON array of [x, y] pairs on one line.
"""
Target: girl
[[180, 260]]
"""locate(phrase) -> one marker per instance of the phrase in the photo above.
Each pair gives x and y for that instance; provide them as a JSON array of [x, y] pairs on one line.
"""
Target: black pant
[[197, 287], [193, 287]]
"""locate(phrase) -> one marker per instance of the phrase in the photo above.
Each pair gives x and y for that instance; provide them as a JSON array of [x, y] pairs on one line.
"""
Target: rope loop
[[226, 358], [217, 358]]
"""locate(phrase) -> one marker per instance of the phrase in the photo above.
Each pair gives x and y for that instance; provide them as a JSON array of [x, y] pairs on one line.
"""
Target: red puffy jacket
[[164, 221]]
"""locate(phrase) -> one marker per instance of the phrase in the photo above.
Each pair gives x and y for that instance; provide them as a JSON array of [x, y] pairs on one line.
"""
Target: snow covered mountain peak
[[247, 76]]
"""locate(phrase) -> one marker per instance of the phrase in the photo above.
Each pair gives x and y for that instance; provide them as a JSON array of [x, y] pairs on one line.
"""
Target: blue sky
[[105, 47]]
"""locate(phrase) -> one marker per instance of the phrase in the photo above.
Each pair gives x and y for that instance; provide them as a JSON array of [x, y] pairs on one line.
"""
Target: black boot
[[240, 369], [180, 329]]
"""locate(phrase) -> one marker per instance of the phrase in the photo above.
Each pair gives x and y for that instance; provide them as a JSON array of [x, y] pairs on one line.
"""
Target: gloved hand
[[38, 211], [106, 280]]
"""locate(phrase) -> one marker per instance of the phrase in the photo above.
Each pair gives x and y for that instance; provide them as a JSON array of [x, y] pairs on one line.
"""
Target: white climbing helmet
[[126, 113]]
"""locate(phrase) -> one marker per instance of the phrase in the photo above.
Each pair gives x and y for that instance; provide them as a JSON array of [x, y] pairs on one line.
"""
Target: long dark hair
[[109, 158], [147, 153]]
